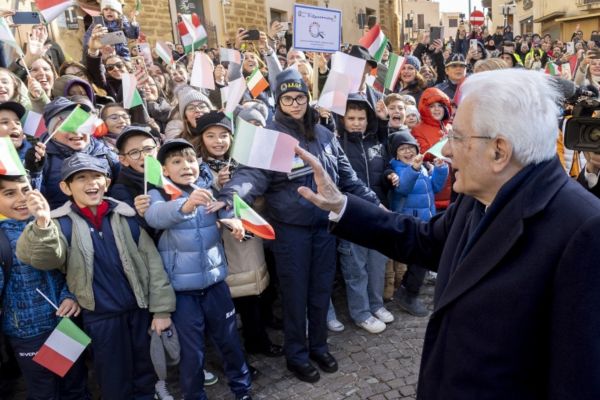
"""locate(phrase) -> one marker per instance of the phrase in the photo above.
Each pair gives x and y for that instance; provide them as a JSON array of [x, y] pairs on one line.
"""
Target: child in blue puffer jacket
[[193, 256], [414, 195]]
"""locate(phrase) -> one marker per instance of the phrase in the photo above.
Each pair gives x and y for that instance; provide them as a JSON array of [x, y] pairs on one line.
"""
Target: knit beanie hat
[[412, 110], [112, 4], [289, 80], [414, 61], [399, 138], [253, 111], [186, 95], [164, 351]]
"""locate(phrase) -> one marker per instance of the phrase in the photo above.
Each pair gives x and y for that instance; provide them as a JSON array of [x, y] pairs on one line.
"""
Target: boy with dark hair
[[27, 318], [193, 255], [113, 269]]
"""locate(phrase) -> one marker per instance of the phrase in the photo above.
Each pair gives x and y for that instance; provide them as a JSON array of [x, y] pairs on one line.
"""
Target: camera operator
[[589, 176]]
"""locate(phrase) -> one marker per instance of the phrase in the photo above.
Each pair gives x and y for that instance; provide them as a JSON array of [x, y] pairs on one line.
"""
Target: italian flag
[[7, 37], [233, 94], [164, 53], [393, 72], [251, 220], [80, 122], [552, 69], [375, 42], [153, 175], [10, 163], [62, 348], [202, 72], [263, 148], [33, 124], [131, 96], [256, 83], [50, 9], [193, 35]]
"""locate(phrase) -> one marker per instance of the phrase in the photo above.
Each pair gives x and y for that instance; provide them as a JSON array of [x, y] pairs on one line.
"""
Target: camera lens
[[594, 135]]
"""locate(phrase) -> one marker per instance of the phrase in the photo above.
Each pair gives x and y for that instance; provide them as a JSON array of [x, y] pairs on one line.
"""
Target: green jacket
[[47, 248]]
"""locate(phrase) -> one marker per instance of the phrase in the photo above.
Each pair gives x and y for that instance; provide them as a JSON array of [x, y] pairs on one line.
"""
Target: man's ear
[[502, 153], [64, 187]]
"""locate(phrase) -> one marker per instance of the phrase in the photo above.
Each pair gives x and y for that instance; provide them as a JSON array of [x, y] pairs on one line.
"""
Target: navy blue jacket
[[516, 300], [56, 153], [284, 203]]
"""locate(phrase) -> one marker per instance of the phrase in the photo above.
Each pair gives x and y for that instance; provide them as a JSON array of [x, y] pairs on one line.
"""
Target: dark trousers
[[253, 331], [305, 258], [121, 354], [209, 311], [42, 384], [413, 278]]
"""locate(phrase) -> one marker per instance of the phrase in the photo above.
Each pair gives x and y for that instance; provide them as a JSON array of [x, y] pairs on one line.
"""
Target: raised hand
[[328, 196], [39, 208]]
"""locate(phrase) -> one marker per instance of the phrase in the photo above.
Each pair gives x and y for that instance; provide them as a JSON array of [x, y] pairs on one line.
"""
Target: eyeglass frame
[[115, 117], [198, 106], [117, 65], [453, 137], [294, 99], [146, 150]]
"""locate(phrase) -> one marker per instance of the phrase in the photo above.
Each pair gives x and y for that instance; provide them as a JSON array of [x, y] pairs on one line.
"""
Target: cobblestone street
[[374, 367]]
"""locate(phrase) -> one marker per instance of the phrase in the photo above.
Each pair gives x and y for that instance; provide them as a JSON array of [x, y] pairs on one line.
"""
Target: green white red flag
[[153, 175], [33, 124], [251, 220], [193, 35], [375, 42], [7, 37], [552, 68], [257, 83], [62, 348], [80, 122], [263, 148], [50, 9], [10, 163], [131, 96], [164, 53], [202, 72], [393, 71]]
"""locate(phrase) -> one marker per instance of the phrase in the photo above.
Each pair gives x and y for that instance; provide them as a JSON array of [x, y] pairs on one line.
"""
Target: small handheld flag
[[257, 83], [10, 163], [251, 220], [131, 96], [153, 174], [375, 42], [193, 35]]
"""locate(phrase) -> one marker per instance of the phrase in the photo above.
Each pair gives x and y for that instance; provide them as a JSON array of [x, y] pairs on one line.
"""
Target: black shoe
[[325, 361], [411, 303], [305, 372], [275, 323]]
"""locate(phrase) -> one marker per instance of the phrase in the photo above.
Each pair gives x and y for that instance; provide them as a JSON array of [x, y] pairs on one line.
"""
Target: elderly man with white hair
[[516, 306]]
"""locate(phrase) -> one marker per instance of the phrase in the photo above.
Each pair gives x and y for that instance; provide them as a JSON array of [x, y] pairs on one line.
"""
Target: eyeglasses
[[407, 149], [453, 137], [116, 117], [289, 100], [196, 106], [137, 153], [110, 67]]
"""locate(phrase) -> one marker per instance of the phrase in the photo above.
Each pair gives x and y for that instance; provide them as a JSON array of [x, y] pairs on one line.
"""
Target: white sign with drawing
[[317, 29]]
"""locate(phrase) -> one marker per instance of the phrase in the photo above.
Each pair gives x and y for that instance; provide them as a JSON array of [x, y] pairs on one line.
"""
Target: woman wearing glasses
[[305, 252], [116, 119]]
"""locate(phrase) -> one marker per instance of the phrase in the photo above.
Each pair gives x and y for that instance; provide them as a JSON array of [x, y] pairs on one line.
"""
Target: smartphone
[[253, 34], [26, 18], [595, 38], [97, 20], [473, 44], [112, 38], [139, 70], [571, 47], [435, 33], [371, 21]]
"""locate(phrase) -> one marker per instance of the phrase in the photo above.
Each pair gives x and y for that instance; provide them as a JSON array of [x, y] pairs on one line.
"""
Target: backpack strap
[[6, 260]]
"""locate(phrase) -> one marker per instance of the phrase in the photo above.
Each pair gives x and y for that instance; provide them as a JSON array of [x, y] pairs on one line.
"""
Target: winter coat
[[430, 131], [415, 192], [247, 273], [56, 153], [367, 153], [284, 203], [48, 249], [190, 244], [25, 314]]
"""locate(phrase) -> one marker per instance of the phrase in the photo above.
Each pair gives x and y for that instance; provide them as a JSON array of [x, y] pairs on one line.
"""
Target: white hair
[[519, 104]]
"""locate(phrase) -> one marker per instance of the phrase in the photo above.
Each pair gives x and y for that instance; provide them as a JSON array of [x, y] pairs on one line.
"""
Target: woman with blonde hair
[[489, 64]]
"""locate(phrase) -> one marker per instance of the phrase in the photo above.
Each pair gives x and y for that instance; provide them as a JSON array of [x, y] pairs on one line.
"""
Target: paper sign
[[317, 29], [335, 93]]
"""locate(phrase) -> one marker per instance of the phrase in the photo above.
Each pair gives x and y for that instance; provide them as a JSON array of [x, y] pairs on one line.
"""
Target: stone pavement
[[374, 367]]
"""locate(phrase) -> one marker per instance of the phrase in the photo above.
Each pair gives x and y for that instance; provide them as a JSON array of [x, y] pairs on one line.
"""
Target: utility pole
[[402, 22]]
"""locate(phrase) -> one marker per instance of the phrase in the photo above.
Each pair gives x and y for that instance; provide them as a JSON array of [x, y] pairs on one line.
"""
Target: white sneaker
[[384, 315], [372, 325], [210, 378], [161, 392], [335, 326]]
